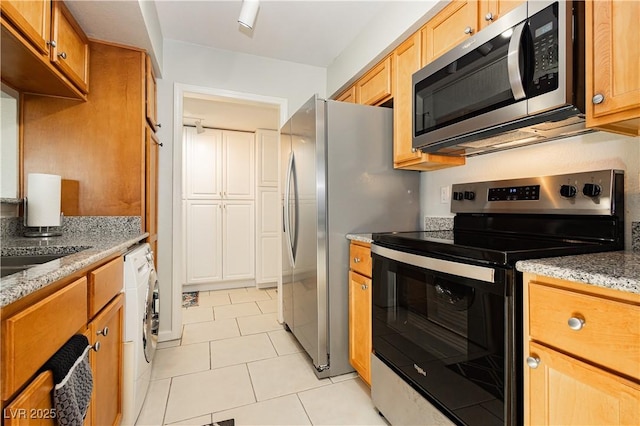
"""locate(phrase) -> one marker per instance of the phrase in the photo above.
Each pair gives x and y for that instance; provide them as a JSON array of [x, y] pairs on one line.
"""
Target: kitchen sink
[[12, 264]]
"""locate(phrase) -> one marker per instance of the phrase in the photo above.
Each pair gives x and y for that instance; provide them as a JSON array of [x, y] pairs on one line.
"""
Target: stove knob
[[469, 195], [591, 190], [457, 196], [568, 191]]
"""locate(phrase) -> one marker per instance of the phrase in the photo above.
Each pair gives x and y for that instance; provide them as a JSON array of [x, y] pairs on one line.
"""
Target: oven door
[[442, 327]]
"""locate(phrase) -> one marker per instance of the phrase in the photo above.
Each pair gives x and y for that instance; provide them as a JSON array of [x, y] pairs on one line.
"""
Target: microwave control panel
[[543, 29]]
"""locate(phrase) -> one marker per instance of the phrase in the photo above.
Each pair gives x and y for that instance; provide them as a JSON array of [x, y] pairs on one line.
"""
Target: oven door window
[[444, 334]]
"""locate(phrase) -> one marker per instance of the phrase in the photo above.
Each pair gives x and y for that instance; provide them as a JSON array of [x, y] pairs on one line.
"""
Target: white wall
[[194, 65], [393, 24], [594, 151], [9, 139]]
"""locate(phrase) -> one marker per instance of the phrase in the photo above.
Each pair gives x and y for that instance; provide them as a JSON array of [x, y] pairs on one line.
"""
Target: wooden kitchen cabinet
[[406, 61], [151, 94], [491, 10], [374, 88], [44, 50], [613, 66], [106, 363], [152, 152], [582, 350], [455, 23], [348, 95], [360, 309]]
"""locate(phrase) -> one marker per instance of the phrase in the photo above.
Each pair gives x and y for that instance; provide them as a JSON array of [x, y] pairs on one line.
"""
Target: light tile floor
[[236, 361]]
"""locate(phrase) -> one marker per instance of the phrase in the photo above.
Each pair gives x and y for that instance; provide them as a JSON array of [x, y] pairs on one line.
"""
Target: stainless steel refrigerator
[[337, 178]]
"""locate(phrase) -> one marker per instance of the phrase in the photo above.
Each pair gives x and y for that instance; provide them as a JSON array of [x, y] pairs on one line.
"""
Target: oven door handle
[[513, 62], [475, 272]]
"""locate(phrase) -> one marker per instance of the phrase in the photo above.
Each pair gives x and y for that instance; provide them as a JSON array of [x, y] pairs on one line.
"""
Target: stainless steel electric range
[[447, 312]]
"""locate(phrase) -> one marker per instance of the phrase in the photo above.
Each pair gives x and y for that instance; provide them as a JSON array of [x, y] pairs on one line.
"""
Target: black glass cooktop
[[486, 247]]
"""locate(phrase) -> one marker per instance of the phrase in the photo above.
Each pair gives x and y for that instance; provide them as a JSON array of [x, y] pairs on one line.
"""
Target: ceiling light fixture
[[248, 13], [199, 128]]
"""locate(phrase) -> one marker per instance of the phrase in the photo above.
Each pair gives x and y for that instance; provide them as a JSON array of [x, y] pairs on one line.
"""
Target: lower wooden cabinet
[[582, 354], [106, 363], [360, 309], [33, 406]]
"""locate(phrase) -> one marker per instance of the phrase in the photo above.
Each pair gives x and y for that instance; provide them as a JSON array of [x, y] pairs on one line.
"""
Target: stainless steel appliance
[[447, 306], [517, 82], [338, 178]]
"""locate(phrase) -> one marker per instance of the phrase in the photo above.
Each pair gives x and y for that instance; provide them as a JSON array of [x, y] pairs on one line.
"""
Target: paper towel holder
[[43, 231]]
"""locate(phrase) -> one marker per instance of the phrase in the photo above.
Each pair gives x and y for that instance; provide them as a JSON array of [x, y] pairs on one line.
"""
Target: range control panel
[[576, 193]]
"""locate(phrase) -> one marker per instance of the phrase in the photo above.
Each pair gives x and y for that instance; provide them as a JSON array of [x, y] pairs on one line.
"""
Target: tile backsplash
[[14, 227], [635, 235], [438, 223]]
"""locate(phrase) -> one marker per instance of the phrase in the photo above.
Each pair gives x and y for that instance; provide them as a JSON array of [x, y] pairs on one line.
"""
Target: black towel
[[73, 380]]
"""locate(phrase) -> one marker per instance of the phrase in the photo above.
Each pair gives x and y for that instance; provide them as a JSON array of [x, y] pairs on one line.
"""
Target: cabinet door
[[238, 166], [203, 241], [455, 23], [71, 52], [491, 10], [32, 19], [360, 325], [348, 95], [203, 165], [151, 185], [613, 66], [565, 391], [33, 406], [375, 87], [268, 236], [106, 364], [268, 143], [238, 240], [151, 94]]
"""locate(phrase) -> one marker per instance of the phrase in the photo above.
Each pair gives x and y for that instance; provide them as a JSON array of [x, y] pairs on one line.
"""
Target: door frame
[[177, 256]]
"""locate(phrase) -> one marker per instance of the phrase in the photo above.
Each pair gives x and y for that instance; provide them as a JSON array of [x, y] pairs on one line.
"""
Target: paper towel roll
[[43, 199]]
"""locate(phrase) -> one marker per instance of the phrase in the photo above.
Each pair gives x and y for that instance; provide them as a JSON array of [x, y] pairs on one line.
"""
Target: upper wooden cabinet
[[348, 95], [44, 50], [406, 61], [374, 88], [455, 23], [490, 10], [568, 378], [613, 66], [70, 52]]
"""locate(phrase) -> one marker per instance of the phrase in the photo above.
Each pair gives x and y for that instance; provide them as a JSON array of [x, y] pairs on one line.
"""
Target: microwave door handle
[[513, 62]]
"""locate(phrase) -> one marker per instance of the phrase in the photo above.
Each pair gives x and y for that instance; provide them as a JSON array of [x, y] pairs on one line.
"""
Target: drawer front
[[104, 284], [360, 259], [33, 335], [609, 335]]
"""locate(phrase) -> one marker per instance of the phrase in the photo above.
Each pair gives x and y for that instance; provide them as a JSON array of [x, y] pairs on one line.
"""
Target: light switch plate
[[445, 194]]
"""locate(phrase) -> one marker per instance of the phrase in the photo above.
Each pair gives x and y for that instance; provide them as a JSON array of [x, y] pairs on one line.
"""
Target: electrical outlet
[[445, 195]]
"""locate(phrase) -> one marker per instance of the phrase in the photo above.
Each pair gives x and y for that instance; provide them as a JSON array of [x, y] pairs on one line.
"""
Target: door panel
[[239, 240], [203, 241]]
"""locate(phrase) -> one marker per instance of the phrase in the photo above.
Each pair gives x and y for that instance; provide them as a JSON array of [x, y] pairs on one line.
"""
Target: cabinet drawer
[[33, 335], [609, 336], [360, 259], [104, 283]]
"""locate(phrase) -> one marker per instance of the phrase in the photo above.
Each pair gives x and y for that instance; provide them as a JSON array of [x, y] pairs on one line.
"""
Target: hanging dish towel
[[73, 380]]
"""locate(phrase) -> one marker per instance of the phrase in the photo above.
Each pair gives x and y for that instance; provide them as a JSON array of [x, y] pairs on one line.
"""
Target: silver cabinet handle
[[103, 332], [158, 125], [52, 43], [598, 98], [413, 150], [488, 17], [96, 346], [533, 361], [576, 323], [63, 55], [468, 30], [356, 260], [364, 286]]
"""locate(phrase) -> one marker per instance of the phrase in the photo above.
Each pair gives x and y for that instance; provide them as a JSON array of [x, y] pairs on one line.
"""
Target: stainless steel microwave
[[518, 81]]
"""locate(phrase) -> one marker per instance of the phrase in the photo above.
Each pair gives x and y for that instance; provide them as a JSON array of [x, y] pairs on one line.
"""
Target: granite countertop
[[619, 270], [84, 249], [363, 238]]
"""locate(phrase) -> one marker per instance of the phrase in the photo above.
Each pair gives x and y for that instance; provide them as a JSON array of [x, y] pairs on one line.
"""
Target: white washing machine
[[141, 304]]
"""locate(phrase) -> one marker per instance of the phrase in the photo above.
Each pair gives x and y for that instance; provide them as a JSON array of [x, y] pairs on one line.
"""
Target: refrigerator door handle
[[287, 218]]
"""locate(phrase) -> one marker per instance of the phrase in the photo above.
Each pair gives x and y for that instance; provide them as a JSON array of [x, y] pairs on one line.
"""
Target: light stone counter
[[619, 270]]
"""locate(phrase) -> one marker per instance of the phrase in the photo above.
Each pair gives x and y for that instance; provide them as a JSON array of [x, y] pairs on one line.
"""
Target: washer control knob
[[591, 190], [568, 191]]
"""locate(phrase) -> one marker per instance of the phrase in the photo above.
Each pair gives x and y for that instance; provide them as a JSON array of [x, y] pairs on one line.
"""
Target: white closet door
[[239, 240], [268, 142], [239, 165], [268, 256], [204, 241], [203, 171]]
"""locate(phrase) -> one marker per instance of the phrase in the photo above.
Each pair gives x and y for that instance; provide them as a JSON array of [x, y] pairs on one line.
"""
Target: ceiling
[[312, 32]]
